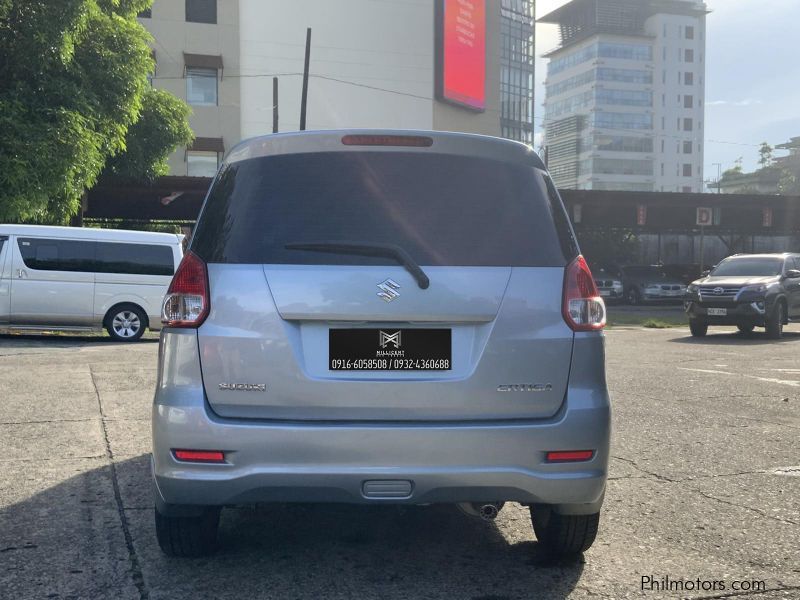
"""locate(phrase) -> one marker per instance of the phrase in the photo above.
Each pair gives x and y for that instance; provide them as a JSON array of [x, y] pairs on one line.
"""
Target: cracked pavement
[[704, 483]]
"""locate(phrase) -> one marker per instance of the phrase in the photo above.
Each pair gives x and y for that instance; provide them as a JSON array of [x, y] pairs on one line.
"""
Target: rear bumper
[[337, 462]]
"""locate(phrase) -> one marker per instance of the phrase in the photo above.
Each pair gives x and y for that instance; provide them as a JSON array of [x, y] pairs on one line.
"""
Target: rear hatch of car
[[387, 283]]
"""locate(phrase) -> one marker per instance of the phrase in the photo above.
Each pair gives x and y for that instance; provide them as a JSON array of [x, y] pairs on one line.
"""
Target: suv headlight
[[617, 285], [692, 288]]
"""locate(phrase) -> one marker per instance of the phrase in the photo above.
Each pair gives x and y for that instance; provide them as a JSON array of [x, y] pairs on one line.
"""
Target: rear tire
[[188, 537], [745, 329], [698, 328], [564, 536], [125, 323], [774, 322]]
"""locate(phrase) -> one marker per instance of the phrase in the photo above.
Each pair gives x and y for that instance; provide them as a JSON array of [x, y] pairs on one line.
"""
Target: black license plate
[[389, 349]]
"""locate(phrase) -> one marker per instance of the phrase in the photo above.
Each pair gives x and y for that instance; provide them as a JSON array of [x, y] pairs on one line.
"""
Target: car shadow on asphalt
[[275, 551], [62, 340], [757, 338]]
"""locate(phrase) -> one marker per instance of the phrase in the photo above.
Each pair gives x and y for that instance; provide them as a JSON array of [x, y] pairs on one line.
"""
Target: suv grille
[[719, 292], [670, 288]]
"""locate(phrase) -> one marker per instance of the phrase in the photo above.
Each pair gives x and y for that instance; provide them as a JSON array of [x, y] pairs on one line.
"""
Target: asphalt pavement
[[704, 488]]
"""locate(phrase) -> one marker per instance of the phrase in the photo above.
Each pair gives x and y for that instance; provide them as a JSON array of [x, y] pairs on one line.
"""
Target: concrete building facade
[[625, 95], [373, 65]]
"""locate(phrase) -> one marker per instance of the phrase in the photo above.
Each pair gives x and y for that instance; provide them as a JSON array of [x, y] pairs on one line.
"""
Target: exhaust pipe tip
[[488, 512]]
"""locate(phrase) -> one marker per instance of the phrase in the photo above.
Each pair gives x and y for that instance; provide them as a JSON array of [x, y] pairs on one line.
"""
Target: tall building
[[625, 95], [401, 64]]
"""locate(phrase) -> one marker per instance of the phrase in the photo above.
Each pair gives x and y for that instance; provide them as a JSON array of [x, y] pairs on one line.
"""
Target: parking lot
[[705, 485]]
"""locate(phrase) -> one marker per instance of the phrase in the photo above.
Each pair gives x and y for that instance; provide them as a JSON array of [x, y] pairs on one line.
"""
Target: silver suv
[[382, 317]]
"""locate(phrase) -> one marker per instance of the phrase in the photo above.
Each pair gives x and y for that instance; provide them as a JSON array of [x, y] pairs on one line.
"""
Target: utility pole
[[304, 98], [719, 176], [274, 105]]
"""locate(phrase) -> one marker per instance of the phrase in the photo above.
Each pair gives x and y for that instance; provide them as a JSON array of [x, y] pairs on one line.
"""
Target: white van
[[70, 278]]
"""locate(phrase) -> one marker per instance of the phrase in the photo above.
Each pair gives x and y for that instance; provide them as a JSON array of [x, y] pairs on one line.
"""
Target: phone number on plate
[[389, 364]]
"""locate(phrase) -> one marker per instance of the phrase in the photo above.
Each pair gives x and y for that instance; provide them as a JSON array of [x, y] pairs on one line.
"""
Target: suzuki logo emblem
[[388, 290], [389, 338]]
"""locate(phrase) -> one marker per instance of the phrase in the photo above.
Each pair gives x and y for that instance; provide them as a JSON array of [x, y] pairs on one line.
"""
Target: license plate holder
[[717, 312], [390, 349]]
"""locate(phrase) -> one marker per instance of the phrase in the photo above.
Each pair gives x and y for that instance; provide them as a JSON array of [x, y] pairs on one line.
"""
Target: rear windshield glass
[[442, 209], [749, 267]]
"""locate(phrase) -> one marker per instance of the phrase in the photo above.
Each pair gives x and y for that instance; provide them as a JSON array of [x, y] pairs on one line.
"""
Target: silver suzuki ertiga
[[380, 317]]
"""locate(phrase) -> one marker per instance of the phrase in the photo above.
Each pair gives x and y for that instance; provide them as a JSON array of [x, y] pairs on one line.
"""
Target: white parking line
[[764, 379]]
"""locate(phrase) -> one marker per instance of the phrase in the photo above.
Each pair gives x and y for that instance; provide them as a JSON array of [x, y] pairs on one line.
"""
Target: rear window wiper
[[368, 249]]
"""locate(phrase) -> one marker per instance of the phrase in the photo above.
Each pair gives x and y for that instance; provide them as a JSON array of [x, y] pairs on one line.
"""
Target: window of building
[[662, 169], [688, 124], [662, 150], [688, 78], [678, 148], [201, 11], [621, 75], [665, 30], [680, 55], [663, 100], [147, 13], [624, 97], [687, 170], [689, 32], [688, 101], [202, 164], [201, 87], [688, 55], [664, 53], [517, 60], [687, 147], [663, 123], [664, 76], [614, 120], [687, 189]]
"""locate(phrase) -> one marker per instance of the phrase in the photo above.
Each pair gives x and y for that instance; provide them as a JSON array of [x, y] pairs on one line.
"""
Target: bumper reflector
[[570, 456], [203, 456]]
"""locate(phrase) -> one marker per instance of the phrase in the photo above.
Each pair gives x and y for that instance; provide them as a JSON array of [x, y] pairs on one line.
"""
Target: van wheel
[[698, 328], [188, 537], [126, 323], [564, 536], [774, 322]]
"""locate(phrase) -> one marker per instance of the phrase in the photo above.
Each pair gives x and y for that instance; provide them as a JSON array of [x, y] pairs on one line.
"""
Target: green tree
[[162, 126], [74, 80], [765, 155]]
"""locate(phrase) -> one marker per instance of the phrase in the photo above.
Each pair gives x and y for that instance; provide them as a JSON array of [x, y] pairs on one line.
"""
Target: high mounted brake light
[[583, 308], [186, 303], [417, 141]]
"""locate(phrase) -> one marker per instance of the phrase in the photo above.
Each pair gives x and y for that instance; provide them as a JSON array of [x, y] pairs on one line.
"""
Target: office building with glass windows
[[625, 95], [373, 65]]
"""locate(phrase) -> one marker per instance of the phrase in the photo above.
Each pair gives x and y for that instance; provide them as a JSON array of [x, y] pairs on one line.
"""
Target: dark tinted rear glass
[[138, 259], [57, 255], [442, 209]]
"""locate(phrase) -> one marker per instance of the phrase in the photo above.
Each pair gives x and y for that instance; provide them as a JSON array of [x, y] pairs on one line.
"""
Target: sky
[[752, 76]]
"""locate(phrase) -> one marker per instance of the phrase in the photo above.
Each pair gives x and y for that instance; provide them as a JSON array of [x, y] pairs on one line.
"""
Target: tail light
[[584, 309], [186, 303]]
